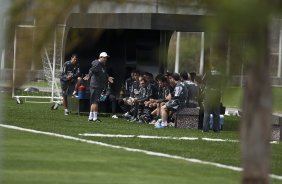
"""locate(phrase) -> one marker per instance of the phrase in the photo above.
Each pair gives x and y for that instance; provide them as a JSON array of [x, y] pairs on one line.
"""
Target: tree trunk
[[257, 113]]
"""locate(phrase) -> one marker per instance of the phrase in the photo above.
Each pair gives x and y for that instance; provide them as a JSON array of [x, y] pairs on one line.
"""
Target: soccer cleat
[[97, 120], [90, 119], [67, 113], [127, 115], [158, 122], [114, 116], [134, 120], [140, 121], [75, 94], [130, 119], [160, 126]]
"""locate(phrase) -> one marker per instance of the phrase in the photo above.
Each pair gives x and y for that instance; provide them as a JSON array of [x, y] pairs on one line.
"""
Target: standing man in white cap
[[98, 81]]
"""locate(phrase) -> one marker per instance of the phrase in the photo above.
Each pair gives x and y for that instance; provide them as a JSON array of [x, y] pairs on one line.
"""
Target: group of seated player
[[154, 101]]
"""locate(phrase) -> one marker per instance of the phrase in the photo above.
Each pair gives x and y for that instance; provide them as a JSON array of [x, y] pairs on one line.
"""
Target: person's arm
[[94, 69], [132, 90], [147, 95], [167, 96], [110, 79]]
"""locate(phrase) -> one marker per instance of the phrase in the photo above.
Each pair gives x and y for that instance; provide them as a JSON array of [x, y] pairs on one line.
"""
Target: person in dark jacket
[[98, 81], [212, 98], [144, 94], [131, 87], [68, 79]]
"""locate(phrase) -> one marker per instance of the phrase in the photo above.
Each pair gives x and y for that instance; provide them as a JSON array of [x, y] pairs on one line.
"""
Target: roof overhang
[[149, 21]]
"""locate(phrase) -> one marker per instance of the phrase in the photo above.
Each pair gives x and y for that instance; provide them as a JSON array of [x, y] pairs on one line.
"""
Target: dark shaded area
[[133, 40], [128, 49]]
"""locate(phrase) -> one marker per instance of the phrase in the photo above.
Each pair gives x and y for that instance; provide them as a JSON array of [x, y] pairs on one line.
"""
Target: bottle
[[121, 93]]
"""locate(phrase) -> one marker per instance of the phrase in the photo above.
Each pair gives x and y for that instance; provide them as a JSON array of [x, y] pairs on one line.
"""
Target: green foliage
[[189, 54]]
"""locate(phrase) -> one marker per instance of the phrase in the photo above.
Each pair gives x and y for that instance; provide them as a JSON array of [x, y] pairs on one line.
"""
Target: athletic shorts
[[67, 88], [95, 94]]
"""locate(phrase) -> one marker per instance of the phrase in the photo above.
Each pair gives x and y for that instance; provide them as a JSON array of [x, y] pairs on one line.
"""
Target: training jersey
[[128, 86], [98, 75], [134, 92], [163, 92], [180, 93], [193, 92], [145, 92], [70, 69]]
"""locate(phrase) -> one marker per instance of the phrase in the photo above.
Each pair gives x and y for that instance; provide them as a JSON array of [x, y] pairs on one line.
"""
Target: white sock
[[95, 115], [90, 115]]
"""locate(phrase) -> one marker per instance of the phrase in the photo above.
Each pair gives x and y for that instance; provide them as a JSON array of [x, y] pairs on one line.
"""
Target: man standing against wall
[[98, 81]]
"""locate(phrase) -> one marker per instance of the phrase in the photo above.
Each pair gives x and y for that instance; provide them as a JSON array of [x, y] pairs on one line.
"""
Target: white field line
[[218, 140], [155, 137], [233, 168], [136, 136], [161, 137]]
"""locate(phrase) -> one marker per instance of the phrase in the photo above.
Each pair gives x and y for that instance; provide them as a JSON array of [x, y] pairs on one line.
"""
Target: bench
[[78, 105], [276, 133], [81, 103], [187, 118]]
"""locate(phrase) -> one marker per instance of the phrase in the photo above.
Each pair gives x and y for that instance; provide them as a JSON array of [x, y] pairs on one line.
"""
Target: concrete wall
[[146, 6]]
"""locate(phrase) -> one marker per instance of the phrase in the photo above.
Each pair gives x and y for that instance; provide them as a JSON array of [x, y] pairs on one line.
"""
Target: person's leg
[[158, 109], [135, 113], [77, 84], [216, 114], [147, 117], [164, 116], [64, 88], [65, 104], [206, 120], [201, 117], [140, 111], [94, 99], [125, 107], [94, 109], [164, 113], [114, 105], [154, 112]]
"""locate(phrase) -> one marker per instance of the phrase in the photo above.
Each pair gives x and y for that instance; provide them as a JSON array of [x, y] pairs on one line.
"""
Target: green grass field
[[36, 158], [232, 97]]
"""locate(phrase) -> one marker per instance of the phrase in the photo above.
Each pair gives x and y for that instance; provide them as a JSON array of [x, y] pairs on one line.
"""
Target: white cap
[[104, 54]]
